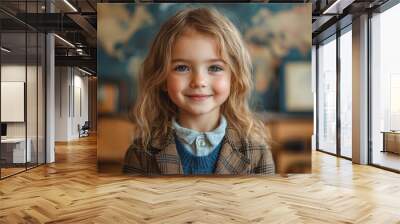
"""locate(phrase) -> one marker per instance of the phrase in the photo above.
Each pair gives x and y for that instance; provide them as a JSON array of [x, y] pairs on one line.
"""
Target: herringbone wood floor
[[71, 191]]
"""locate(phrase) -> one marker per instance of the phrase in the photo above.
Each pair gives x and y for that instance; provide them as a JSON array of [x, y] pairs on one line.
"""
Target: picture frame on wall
[[13, 101], [296, 83]]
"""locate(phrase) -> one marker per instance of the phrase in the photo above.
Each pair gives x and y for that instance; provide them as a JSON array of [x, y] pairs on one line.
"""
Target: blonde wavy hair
[[154, 110]]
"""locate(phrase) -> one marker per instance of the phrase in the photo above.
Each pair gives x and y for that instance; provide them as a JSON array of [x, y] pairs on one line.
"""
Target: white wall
[[61, 103], [71, 87], [80, 102]]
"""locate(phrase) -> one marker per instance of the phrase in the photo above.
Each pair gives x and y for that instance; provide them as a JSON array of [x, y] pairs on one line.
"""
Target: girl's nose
[[198, 80]]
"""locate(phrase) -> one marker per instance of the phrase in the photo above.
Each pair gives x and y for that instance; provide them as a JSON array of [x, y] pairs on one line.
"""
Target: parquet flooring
[[10, 171], [71, 191], [387, 159]]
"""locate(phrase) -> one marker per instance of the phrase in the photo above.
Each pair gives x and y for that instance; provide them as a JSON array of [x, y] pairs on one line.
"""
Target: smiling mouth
[[198, 97]]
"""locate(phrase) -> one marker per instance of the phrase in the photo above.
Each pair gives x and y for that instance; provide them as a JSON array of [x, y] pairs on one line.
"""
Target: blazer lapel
[[167, 157], [231, 160]]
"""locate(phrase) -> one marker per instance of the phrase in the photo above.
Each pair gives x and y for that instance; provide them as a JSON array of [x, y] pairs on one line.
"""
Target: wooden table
[[13, 150]]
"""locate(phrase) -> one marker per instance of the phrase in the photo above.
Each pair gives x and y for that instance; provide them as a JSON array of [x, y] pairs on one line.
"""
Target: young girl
[[192, 115]]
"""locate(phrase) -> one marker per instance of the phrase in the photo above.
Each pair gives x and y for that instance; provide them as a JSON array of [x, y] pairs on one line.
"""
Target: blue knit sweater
[[195, 165]]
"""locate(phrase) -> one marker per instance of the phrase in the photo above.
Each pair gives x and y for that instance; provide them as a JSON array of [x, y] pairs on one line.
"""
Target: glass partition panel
[[31, 98], [14, 153], [22, 64], [41, 98]]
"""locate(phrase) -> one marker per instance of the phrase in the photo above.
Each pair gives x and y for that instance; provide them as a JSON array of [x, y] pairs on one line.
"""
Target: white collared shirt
[[200, 143]]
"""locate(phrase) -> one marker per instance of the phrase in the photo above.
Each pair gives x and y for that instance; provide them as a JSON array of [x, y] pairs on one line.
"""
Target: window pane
[[386, 89], [327, 97], [345, 94]]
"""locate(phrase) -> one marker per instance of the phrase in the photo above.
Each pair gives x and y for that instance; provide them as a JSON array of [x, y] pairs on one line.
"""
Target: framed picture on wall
[[297, 89], [12, 101]]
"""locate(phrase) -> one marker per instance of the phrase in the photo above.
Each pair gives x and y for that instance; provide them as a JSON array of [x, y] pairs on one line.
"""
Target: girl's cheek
[[222, 86], [175, 83]]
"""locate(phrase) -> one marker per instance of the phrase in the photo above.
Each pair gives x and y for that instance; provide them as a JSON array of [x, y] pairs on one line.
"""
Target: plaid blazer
[[238, 156]]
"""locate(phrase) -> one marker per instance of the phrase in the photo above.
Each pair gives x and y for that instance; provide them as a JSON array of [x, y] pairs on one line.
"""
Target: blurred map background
[[278, 37]]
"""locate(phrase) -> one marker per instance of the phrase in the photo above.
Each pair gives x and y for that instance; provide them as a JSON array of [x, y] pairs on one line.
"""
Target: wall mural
[[275, 34]]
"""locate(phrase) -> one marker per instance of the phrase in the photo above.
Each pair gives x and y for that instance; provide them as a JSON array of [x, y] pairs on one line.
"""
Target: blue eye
[[215, 68], [181, 68]]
